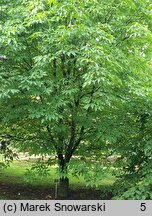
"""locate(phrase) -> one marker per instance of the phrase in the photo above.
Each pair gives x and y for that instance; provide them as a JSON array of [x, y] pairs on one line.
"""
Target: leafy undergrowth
[[14, 186]]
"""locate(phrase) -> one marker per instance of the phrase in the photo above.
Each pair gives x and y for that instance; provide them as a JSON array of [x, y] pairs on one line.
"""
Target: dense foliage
[[75, 79]]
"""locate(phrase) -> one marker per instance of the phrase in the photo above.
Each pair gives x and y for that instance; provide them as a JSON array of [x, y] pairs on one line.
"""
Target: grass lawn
[[13, 184]]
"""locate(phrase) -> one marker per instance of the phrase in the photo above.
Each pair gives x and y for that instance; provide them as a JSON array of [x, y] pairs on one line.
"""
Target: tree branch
[[27, 63], [62, 65], [73, 147], [54, 66]]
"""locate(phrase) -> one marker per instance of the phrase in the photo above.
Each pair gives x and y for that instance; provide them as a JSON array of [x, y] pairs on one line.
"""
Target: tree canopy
[[75, 78]]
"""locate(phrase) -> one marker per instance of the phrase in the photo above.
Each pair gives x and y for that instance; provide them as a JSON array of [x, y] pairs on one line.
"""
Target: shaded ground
[[14, 184], [24, 192]]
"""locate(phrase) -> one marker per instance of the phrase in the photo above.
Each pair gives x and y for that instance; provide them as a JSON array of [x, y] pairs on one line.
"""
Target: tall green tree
[[68, 70]]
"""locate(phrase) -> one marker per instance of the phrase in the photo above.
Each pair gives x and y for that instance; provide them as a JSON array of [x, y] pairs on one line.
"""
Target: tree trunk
[[63, 188]]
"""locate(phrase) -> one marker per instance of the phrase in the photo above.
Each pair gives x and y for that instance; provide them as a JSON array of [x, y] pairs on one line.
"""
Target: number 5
[[143, 207]]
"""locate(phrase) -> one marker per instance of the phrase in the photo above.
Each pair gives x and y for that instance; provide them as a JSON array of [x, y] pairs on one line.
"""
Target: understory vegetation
[[20, 181]]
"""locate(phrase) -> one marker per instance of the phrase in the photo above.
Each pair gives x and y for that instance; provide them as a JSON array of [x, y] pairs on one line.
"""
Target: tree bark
[[63, 188]]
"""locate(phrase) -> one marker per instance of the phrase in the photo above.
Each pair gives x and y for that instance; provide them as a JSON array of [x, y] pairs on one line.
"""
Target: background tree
[[71, 70]]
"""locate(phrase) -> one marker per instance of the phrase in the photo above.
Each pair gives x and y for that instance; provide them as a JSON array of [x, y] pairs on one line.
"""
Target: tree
[[70, 70]]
